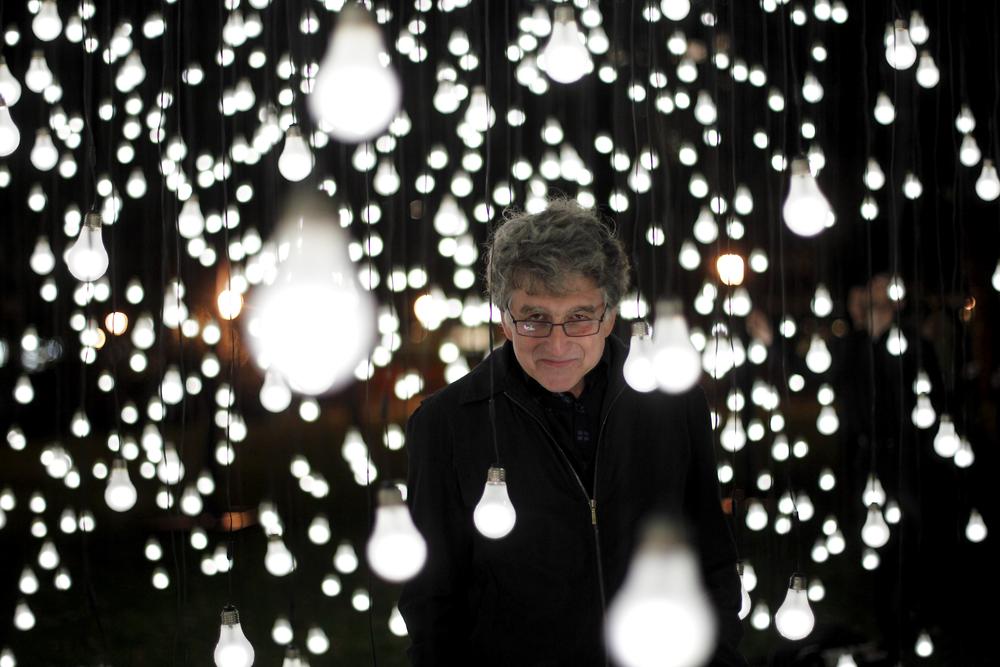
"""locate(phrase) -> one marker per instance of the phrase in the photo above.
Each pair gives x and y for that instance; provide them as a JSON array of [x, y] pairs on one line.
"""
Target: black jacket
[[537, 596]]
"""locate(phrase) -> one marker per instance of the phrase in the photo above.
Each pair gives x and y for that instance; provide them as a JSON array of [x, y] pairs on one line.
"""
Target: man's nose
[[558, 340]]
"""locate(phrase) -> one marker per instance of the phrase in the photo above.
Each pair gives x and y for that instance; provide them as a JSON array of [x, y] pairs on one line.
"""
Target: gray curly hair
[[542, 252]]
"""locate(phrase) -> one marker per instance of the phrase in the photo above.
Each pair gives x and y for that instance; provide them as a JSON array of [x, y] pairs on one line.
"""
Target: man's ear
[[508, 329], [610, 320]]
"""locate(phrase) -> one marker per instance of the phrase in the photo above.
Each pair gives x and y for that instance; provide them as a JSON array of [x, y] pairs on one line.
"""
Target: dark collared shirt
[[575, 423]]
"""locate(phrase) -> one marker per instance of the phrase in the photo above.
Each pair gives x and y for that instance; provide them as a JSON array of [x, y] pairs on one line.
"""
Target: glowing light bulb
[[822, 302], [928, 74], [988, 183], [299, 323], [756, 518], [397, 625], [964, 456], [191, 221], [899, 50], [24, 618], [345, 559], [705, 111], [968, 151], [281, 632], [275, 394], [818, 358], [874, 177], [661, 616], [87, 259], [875, 532], [10, 88], [675, 360], [874, 491], [675, 10], [356, 97], [44, 155], [47, 25], [975, 529], [794, 619], [923, 414], [884, 112], [120, 493], [233, 648], [10, 136], [295, 162], [565, 57], [639, 371], [42, 259], [38, 77], [278, 559], [396, 550], [805, 210], [494, 515], [731, 268], [924, 646]]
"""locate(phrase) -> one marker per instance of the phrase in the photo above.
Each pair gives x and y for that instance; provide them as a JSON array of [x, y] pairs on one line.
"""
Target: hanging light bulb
[[355, 96], [794, 618], [10, 136], [875, 532], [818, 357], [47, 25], [278, 560], [827, 421], [10, 87], [191, 221], [233, 649], [964, 456], [275, 394], [884, 112], [923, 414], [988, 183], [745, 603], [313, 324], [38, 76], [639, 371], [494, 515], [396, 549], [295, 162], [24, 618], [874, 177], [975, 529], [822, 302], [44, 155], [756, 518], [675, 10], [676, 362], [87, 259], [924, 646], [661, 616], [42, 259], [565, 57], [928, 74], [968, 152], [805, 210], [899, 50], [281, 632]]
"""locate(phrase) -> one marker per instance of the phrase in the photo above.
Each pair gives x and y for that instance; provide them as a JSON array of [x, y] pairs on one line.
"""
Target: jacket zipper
[[591, 502]]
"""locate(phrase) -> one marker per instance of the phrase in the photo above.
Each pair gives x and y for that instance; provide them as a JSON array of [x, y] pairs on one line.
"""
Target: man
[[587, 459]]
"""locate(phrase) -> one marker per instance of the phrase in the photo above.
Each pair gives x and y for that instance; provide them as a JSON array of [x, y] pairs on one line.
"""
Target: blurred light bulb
[[87, 259], [731, 269], [639, 371], [313, 324], [565, 57], [120, 493], [355, 96], [676, 362], [988, 183], [10, 87], [875, 532], [396, 549], [805, 210], [975, 529], [928, 74], [281, 632], [275, 394], [191, 221], [47, 25], [969, 153], [233, 648], [278, 559], [899, 50], [818, 358], [923, 414], [494, 515], [44, 154], [675, 10], [662, 615], [884, 112], [42, 259], [295, 162], [822, 302], [10, 136], [924, 646], [794, 619], [745, 603]]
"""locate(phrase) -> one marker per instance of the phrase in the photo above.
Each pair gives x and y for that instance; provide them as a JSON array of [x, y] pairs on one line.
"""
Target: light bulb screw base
[[641, 329], [389, 496], [230, 616], [496, 476], [798, 582], [92, 220]]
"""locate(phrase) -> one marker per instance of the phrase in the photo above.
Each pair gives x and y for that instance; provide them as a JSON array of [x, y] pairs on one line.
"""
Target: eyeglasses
[[543, 329]]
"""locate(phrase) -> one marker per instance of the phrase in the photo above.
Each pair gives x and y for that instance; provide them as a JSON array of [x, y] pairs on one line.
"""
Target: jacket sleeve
[[713, 539], [435, 603]]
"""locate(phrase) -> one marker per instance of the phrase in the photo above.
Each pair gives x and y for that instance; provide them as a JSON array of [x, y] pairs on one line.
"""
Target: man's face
[[559, 362]]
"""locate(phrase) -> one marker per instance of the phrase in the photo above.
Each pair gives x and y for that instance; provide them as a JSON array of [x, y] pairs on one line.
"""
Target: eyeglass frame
[[553, 325]]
